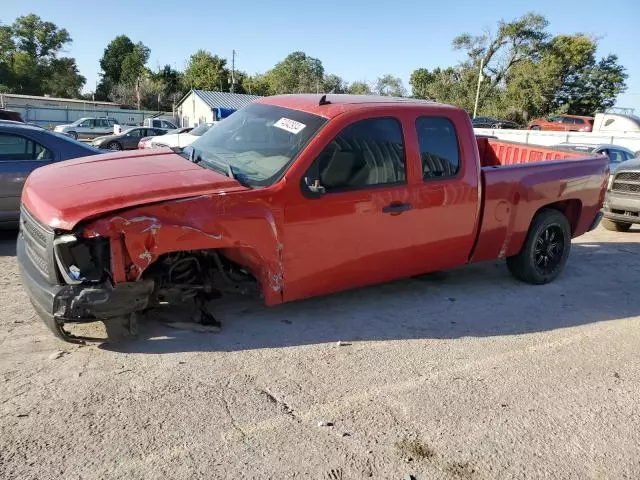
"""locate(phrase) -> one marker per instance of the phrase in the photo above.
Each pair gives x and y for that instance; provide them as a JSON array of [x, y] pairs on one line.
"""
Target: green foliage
[[389, 85], [334, 84], [255, 85], [123, 62], [207, 72], [29, 62], [297, 73], [170, 84], [360, 88], [526, 73]]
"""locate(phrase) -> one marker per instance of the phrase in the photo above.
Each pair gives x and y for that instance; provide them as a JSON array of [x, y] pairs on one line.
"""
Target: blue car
[[23, 148]]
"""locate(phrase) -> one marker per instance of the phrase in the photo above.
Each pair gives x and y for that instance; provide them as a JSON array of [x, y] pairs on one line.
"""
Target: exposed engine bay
[[193, 277]]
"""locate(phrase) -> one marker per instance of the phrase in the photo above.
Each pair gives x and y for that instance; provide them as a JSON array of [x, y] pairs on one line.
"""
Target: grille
[[626, 182], [38, 242], [635, 176], [626, 187]]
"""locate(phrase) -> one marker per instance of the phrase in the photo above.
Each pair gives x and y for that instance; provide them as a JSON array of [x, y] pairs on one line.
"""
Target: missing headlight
[[81, 260]]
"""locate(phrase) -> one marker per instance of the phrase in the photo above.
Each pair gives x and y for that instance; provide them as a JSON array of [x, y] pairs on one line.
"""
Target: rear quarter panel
[[514, 194]]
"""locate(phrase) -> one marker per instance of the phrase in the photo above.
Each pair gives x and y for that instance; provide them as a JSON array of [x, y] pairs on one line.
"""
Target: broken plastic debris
[[74, 272], [325, 424]]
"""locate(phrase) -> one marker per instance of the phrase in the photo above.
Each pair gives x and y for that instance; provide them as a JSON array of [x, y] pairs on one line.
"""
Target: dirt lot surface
[[468, 375]]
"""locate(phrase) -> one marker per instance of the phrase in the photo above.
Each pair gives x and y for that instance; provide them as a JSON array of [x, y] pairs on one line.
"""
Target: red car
[[563, 123], [295, 196]]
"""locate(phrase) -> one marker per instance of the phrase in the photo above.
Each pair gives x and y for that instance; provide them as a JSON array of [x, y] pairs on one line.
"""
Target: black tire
[[545, 251], [115, 146], [73, 135], [615, 226], [535, 127]]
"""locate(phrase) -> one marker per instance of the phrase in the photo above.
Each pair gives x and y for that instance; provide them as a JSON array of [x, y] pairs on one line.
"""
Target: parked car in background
[[296, 196], [160, 123], [127, 140], [616, 153], [616, 123], [88, 127], [622, 203], [488, 122], [563, 123], [23, 148], [179, 140], [10, 115], [145, 142]]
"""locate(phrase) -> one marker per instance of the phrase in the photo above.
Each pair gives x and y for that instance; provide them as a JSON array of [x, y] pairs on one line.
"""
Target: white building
[[202, 106]]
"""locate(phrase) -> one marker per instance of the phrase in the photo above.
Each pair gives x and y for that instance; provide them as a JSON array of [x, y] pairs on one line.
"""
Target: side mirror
[[313, 188]]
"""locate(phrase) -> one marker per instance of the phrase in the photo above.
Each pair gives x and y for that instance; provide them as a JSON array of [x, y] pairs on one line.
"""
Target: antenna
[[323, 100]]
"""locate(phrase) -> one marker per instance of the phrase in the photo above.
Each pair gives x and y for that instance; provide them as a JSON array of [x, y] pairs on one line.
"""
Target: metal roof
[[232, 101]]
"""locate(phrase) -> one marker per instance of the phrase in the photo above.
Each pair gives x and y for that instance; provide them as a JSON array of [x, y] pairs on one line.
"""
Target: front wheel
[[615, 226], [545, 250], [73, 135], [115, 146], [535, 127]]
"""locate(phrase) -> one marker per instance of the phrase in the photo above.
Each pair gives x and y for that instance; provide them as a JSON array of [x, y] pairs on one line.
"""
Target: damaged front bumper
[[80, 303]]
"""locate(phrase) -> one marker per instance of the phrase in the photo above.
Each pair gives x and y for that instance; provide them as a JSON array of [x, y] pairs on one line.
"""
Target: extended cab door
[[19, 156], [446, 196], [357, 227]]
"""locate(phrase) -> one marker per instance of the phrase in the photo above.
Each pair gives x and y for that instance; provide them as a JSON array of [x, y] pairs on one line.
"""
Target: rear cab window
[[439, 149]]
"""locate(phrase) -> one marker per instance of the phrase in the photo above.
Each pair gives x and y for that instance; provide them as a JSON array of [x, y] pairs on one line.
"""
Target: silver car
[[87, 128], [616, 153]]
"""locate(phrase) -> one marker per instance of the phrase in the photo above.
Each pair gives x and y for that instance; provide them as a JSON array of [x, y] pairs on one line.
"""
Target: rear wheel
[[545, 250], [615, 226], [114, 146]]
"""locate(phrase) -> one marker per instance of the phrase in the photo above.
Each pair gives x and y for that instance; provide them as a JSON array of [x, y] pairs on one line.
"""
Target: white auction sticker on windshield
[[289, 125]]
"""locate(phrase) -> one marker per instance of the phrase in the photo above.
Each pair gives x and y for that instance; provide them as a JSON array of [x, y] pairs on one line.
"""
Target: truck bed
[[498, 153], [518, 180]]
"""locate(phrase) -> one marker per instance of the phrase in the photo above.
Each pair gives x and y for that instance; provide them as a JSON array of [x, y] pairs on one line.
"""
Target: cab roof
[[331, 105]]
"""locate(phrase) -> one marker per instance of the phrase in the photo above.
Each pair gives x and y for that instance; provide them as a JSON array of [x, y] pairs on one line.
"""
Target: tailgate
[[511, 196]]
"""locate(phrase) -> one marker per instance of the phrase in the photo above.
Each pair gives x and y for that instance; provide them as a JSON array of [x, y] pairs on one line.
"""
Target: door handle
[[397, 208]]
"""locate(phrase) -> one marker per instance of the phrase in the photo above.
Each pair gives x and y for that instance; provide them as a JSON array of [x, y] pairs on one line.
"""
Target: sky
[[357, 40]]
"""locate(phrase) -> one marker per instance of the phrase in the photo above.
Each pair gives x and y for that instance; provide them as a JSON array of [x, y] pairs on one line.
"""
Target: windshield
[[201, 129], [255, 144]]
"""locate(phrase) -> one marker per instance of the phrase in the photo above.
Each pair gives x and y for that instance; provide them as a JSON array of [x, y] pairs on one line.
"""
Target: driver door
[[359, 231], [19, 156]]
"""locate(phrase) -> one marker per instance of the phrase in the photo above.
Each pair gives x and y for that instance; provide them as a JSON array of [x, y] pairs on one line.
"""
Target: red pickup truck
[[297, 196]]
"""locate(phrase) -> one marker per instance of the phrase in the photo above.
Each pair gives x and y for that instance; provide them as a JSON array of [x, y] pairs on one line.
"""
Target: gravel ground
[[468, 375]]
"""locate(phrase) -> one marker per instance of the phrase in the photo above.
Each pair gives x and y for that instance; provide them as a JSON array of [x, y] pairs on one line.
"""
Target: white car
[[180, 140], [87, 127]]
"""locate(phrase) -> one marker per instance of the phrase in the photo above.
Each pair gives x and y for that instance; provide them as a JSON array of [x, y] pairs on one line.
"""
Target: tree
[[29, 62], [389, 85], [360, 88], [515, 41], [594, 88], [207, 72], [254, 84], [120, 51], [172, 89], [297, 73], [133, 65], [421, 81], [334, 84], [65, 80], [37, 38]]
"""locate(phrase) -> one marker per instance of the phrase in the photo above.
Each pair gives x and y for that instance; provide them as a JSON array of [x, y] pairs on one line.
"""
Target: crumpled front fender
[[246, 234]]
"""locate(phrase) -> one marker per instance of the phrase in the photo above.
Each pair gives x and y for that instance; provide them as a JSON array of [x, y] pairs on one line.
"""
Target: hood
[[59, 128], [62, 194], [633, 164]]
